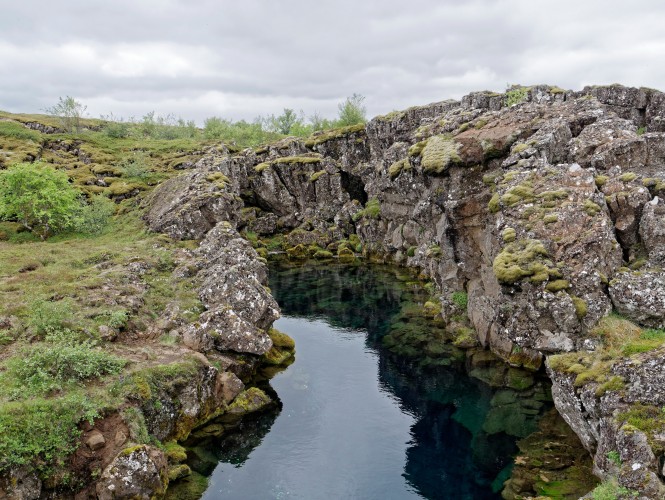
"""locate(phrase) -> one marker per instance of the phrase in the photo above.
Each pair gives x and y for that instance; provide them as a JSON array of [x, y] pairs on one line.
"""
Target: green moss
[[516, 95], [372, 210], [291, 160], [580, 307], [298, 252], [433, 251], [610, 490], [261, 167], [337, 133], [591, 208], [219, 179], [493, 205], [557, 285], [615, 383], [398, 167], [250, 400], [519, 147], [559, 194], [522, 193], [601, 180], [316, 175], [509, 234], [465, 337], [439, 153], [411, 251], [523, 259], [550, 218], [323, 255], [281, 339], [417, 148], [646, 418], [174, 452], [628, 177], [480, 124], [178, 472]]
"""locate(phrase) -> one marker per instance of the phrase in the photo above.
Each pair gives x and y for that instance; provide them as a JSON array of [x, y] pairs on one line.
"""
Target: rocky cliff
[[545, 206]]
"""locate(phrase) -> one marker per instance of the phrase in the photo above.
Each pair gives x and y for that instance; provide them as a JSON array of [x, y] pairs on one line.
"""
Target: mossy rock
[[580, 307], [298, 252], [509, 235], [249, 401], [439, 153], [493, 205], [277, 356], [557, 285], [398, 167], [323, 255], [281, 339], [523, 259]]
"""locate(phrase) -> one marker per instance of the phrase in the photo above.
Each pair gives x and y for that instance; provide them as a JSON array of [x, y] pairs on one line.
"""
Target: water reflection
[[361, 422]]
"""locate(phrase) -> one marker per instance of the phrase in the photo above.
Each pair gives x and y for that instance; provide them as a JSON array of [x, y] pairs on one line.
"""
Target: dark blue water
[[357, 421]]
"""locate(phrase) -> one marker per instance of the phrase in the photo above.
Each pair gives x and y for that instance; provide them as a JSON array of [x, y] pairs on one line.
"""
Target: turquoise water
[[357, 421]]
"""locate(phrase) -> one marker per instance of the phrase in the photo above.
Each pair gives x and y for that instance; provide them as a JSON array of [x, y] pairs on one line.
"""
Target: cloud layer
[[200, 58]]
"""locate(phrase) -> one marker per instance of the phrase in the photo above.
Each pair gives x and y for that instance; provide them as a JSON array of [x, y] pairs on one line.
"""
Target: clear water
[[359, 422]]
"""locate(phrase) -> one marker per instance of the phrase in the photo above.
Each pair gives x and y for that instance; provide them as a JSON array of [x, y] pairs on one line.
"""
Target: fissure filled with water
[[361, 416]]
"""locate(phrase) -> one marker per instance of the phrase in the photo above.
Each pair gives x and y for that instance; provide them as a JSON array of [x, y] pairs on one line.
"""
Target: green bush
[[48, 317], [516, 95], [118, 319], [95, 215], [135, 166], [460, 299], [40, 198]]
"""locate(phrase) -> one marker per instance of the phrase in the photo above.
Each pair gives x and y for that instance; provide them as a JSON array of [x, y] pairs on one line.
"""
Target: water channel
[[357, 420]]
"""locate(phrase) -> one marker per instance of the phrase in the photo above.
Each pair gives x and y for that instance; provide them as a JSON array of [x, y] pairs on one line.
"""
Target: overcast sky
[[239, 59]]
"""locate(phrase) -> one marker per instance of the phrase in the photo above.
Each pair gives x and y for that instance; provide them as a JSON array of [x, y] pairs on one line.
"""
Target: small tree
[[70, 112], [284, 123], [38, 197], [352, 111]]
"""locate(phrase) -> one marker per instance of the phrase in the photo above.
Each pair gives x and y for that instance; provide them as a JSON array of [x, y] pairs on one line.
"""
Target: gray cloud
[[199, 58]]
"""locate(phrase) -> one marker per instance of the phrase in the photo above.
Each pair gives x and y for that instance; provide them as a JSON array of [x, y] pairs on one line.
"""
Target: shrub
[[135, 166], [460, 299], [48, 317], [352, 111], [38, 197], [516, 95], [94, 216], [613, 456], [69, 111], [46, 367]]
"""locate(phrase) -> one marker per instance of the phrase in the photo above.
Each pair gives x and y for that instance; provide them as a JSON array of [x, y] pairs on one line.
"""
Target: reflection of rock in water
[[450, 445], [233, 446]]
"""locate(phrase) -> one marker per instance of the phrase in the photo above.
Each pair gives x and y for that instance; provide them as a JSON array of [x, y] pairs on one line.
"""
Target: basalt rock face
[[548, 213]]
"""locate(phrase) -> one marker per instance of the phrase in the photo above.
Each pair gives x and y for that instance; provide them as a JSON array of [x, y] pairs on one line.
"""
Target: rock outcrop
[[546, 212]]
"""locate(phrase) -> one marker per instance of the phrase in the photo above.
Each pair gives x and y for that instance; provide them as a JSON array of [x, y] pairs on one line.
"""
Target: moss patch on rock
[[524, 259], [439, 153]]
